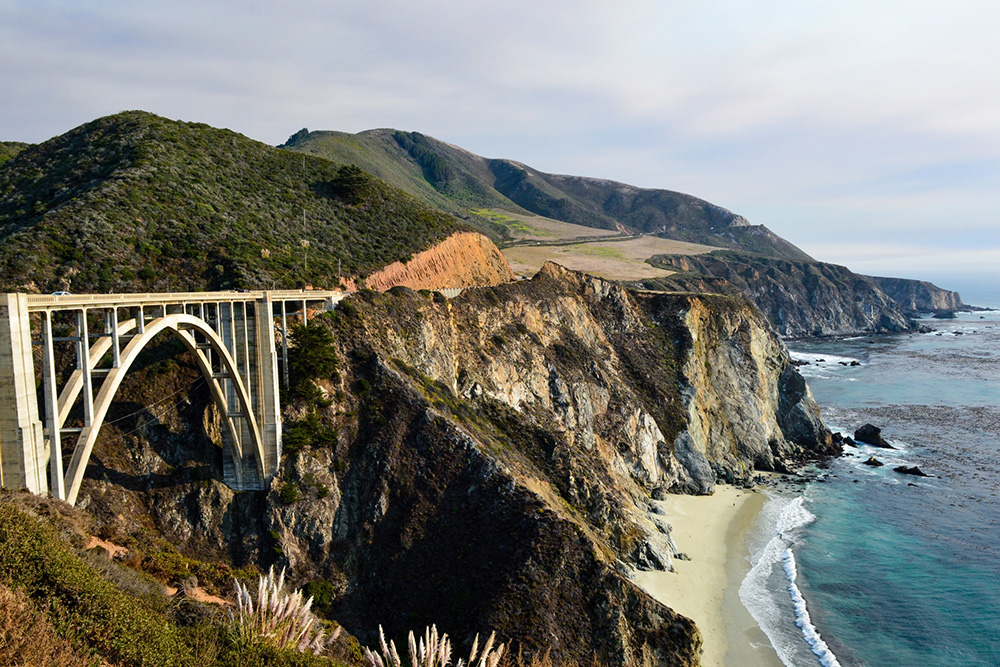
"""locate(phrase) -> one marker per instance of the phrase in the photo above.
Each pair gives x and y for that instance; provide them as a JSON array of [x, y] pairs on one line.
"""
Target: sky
[[865, 132]]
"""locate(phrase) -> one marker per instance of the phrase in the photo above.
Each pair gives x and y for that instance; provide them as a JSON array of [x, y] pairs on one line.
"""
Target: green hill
[[9, 149], [460, 182], [135, 201]]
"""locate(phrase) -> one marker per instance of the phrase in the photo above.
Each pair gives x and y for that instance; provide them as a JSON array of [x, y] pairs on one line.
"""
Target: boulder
[[871, 435], [911, 470], [874, 462]]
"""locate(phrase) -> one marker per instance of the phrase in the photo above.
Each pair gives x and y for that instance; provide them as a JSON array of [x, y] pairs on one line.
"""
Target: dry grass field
[[614, 260], [605, 253]]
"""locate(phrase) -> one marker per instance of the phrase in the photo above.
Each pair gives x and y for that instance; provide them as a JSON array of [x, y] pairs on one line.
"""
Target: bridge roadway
[[232, 336]]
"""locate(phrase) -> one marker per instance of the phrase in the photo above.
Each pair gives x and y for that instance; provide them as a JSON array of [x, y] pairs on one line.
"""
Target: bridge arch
[[184, 326]]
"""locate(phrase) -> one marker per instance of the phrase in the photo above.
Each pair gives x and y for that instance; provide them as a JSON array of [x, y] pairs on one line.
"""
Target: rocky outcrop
[[800, 298], [918, 296], [871, 435], [486, 463], [464, 259], [747, 406]]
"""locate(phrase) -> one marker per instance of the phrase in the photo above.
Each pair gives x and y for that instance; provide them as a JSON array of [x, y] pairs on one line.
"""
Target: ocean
[[862, 565]]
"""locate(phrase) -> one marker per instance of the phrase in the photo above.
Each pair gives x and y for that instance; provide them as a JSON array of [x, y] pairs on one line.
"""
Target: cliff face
[[747, 407], [799, 298], [487, 462], [464, 259], [918, 296]]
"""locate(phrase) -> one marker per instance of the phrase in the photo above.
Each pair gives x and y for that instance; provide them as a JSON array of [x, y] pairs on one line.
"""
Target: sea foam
[[759, 594], [802, 619]]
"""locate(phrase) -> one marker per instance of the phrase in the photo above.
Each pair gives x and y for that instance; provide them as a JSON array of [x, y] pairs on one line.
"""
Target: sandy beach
[[712, 531]]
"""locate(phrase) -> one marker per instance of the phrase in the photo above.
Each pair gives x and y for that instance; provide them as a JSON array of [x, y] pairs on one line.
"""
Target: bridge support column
[[23, 458], [266, 390]]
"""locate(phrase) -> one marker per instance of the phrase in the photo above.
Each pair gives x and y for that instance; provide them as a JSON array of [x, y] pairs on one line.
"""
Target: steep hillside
[[135, 201], [459, 181], [465, 259], [799, 298], [483, 462], [64, 602]]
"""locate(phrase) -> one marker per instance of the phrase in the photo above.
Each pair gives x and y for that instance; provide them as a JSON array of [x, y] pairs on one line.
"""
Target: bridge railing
[[38, 302]]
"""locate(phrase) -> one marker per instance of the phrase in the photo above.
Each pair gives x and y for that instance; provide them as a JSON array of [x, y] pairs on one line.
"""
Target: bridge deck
[[41, 302]]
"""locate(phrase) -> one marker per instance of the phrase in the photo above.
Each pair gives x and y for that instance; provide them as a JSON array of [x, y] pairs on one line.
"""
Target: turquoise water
[[890, 569]]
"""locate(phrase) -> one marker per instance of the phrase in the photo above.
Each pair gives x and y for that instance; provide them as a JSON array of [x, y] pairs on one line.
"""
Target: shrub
[[279, 618], [120, 627], [288, 493], [433, 651], [27, 637], [311, 357], [310, 431]]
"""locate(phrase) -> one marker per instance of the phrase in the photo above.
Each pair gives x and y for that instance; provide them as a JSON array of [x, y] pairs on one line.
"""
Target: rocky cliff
[[800, 298], [919, 296], [464, 259], [487, 462]]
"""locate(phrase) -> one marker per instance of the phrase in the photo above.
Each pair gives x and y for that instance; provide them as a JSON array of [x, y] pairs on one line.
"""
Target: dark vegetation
[[436, 169], [138, 202]]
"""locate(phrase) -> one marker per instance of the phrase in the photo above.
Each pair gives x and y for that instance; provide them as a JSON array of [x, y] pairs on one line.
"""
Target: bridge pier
[[231, 335], [23, 455]]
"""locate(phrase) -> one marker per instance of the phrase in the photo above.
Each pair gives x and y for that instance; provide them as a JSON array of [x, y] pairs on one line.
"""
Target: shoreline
[[712, 530]]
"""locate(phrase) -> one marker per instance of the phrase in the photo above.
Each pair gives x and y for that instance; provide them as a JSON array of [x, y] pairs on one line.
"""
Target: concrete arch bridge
[[232, 335]]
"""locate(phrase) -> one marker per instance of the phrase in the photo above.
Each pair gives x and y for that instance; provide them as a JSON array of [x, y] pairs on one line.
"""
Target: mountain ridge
[[460, 180]]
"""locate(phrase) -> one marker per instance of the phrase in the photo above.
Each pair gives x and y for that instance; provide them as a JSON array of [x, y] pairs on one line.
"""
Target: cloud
[[817, 119]]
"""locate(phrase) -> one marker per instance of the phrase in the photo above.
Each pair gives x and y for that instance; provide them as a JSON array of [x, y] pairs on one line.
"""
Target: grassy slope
[[458, 181], [8, 149], [135, 201]]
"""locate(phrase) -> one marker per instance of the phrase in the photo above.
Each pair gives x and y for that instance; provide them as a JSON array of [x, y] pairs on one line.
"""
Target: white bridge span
[[232, 336]]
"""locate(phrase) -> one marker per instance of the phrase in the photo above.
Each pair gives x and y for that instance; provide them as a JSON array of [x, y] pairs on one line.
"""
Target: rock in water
[[871, 435], [874, 462], [914, 470]]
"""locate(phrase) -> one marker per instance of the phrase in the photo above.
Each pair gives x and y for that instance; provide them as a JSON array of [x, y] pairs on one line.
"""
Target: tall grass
[[28, 638], [433, 650], [279, 618]]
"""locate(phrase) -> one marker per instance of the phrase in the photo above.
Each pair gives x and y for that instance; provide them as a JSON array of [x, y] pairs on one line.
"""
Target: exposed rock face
[[918, 296], [519, 432], [464, 259], [800, 298], [748, 407], [492, 457]]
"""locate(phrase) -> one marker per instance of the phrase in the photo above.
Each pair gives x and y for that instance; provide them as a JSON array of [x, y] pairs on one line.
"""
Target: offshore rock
[[871, 435], [910, 470]]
